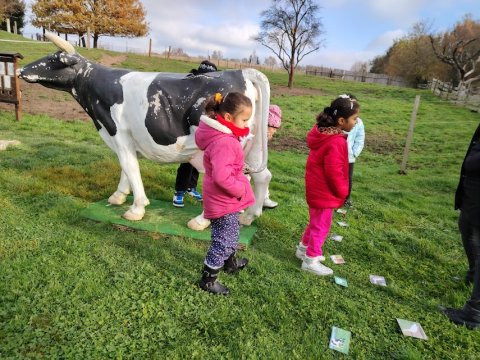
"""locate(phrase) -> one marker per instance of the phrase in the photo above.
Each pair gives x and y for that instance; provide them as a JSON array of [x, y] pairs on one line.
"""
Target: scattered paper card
[[378, 280], [336, 237], [413, 329], [342, 211], [342, 223], [340, 281], [337, 259], [340, 340]]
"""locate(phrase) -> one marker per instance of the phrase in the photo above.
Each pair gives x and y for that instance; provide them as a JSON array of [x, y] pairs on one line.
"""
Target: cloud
[[385, 40], [339, 59]]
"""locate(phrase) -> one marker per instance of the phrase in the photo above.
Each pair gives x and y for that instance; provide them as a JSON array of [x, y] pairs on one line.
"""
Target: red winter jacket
[[326, 173]]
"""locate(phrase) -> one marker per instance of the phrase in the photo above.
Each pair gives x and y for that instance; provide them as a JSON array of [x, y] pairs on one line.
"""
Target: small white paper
[[337, 259], [342, 223], [336, 237], [378, 280], [342, 211]]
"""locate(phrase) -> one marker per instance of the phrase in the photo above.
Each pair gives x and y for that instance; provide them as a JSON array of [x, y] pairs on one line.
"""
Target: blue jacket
[[355, 141]]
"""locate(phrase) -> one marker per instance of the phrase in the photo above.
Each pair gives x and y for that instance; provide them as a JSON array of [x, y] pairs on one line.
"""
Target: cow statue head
[[58, 70]]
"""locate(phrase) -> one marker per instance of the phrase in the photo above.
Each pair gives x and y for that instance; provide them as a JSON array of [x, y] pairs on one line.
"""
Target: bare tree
[[460, 48], [217, 55], [290, 28], [359, 66], [270, 61]]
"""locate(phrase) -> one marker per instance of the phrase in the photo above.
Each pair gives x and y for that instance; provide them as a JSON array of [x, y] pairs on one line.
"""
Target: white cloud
[[385, 40], [339, 59]]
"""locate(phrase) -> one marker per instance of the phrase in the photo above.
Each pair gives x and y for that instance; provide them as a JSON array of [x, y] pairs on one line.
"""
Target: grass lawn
[[74, 288]]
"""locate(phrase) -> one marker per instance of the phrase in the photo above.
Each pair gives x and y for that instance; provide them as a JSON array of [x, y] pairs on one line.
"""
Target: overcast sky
[[355, 30]]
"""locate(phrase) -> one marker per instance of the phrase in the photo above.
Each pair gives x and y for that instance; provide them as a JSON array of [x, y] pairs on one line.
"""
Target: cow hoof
[[133, 216], [198, 224], [117, 198], [246, 219]]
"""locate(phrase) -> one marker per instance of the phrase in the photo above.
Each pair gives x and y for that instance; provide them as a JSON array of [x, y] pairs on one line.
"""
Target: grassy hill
[[73, 288]]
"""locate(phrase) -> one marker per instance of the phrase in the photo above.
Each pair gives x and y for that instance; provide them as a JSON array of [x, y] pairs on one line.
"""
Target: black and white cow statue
[[156, 115]]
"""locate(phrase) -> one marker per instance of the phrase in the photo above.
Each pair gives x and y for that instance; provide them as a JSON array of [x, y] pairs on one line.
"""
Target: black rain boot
[[233, 264], [469, 315], [209, 282]]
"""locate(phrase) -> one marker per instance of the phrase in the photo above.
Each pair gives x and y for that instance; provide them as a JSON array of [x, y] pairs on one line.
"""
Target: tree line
[[451, 56]]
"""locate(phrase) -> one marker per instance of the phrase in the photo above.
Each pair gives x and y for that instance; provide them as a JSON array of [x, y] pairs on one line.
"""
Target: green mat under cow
[[161, 217]]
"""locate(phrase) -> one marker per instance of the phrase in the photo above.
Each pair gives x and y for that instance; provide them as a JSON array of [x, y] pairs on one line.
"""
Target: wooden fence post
[[150, 48], [403, 167]]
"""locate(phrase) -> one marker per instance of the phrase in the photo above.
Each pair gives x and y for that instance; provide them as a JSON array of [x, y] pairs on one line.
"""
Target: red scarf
[[235, 129]]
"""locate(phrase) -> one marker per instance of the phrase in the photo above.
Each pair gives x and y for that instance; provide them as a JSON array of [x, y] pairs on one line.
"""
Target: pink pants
[[317, 230]]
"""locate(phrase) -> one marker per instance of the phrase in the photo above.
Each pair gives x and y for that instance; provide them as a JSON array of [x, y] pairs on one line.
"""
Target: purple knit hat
[[274, 116]]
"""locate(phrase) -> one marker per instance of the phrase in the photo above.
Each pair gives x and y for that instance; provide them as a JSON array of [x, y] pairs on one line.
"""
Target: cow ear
[[68, 59]]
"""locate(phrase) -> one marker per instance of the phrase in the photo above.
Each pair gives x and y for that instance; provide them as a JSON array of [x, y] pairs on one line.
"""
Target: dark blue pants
[[225, 235]]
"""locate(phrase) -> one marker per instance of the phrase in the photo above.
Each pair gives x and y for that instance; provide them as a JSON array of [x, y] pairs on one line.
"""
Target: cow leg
[[131, 168], [260, 186], [198, 223], [123, 189]]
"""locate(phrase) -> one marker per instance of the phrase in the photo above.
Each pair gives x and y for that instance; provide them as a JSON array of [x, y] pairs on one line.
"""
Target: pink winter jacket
[[226, 189]]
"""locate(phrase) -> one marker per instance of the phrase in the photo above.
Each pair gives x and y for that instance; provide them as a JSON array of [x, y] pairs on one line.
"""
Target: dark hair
[[230, 103], [344, 106], [204, 67]]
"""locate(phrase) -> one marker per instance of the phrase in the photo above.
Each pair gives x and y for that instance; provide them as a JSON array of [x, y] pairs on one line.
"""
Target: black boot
[[209, 282], [233, 264], [468, 315]]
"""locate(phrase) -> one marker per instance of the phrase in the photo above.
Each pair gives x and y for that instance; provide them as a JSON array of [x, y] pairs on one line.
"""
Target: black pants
[[350, 178], [470, 233], [187, 177]]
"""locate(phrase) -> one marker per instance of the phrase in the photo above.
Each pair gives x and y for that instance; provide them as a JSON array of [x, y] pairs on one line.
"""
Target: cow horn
[[61, 44]]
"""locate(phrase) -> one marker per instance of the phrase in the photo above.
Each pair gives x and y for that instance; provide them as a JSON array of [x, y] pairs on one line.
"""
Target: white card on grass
[[378, 280], [337, 259], [413, 329], [342, 211], [336, 237], [342, 223]]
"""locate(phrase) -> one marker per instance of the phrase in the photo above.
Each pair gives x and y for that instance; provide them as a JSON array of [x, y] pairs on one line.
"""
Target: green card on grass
[[340, 340], [161, 217]]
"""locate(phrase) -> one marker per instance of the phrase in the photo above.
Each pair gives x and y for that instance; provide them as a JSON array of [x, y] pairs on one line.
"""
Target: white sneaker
[[302, 249], [269, 204], [314, 266]]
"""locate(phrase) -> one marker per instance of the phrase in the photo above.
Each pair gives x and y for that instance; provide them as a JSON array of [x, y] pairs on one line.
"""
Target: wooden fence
[[469, 97], [355, 76]]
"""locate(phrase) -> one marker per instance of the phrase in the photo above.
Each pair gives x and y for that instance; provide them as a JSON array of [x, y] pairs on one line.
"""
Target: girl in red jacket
[[326, 178], [226, 190]]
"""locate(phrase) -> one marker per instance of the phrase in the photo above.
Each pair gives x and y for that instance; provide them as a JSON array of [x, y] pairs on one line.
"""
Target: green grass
[[73, 288]]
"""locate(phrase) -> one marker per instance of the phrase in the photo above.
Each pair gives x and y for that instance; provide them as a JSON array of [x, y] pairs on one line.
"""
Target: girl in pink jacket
[[326, 178], [226, 190]]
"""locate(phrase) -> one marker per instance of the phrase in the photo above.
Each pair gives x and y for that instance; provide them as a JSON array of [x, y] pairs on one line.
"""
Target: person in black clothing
[[187, 175], [467, 199]]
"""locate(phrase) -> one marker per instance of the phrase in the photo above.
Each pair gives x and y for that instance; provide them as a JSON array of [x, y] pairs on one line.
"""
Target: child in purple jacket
[[226, 190]]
